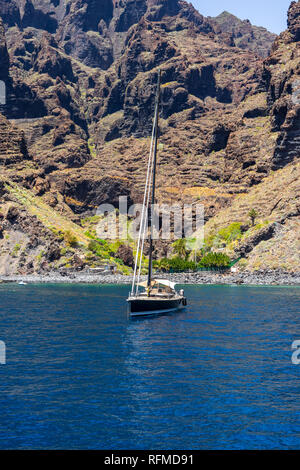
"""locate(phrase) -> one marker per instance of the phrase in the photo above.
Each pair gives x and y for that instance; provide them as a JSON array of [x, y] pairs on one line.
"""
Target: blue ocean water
[[81, 375]]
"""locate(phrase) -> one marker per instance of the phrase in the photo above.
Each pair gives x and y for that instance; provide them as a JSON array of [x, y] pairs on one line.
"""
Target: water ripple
[[218, 375]]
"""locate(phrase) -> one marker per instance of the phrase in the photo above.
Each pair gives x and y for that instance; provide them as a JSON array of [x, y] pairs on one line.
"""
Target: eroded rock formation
[[80, 80], [243, 34]]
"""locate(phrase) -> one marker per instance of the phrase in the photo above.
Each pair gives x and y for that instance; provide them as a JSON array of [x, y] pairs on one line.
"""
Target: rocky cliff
[[75, 131], [243, 34]]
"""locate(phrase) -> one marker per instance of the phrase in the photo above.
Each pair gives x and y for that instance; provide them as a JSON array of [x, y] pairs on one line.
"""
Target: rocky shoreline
[[209, 278]]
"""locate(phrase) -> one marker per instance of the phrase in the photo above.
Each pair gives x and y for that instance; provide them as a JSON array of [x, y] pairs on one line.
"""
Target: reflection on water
[[217, 375]]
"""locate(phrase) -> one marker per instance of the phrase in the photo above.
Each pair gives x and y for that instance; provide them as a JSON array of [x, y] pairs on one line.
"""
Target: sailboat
[[158, 295]]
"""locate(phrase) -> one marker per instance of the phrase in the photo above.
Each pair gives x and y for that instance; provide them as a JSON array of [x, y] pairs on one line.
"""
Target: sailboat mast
[[154, 178]]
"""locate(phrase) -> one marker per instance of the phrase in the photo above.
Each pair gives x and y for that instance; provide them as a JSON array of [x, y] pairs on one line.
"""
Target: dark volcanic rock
[[262, 235], [84, 192], [282, 75], [53, 253], [243, 34], [128, 13], [83, 32], [50, 61], [13, 148], [81, 79], [126, 255], [4, 57], [12, 213], [33, 15], [9, 12], [294, 20]]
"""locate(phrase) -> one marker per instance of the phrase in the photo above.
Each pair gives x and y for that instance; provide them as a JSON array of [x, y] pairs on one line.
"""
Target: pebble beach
[[214, 278]]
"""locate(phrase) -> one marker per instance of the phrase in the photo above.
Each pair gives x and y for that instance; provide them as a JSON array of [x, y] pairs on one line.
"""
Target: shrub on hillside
[[214, 260], [70, 239], [231, 233]]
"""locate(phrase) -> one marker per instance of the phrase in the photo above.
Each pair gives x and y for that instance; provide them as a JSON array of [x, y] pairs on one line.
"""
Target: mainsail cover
[[163, 282]]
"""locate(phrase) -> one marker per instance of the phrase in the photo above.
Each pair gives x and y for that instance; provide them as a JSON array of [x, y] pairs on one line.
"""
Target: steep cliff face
[[294, 21], [10, 13], [4, 57], [274, 243], [244, 35], [81, 79], [215, 127], [282, 74], [13, 148]]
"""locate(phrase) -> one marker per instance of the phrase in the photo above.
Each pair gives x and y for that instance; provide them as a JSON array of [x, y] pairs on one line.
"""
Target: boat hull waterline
[[148, 306]]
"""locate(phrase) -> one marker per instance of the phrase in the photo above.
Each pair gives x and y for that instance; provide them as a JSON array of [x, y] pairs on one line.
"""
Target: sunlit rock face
[[243, 34], [294, 20], [282, 72], [81, 79]]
